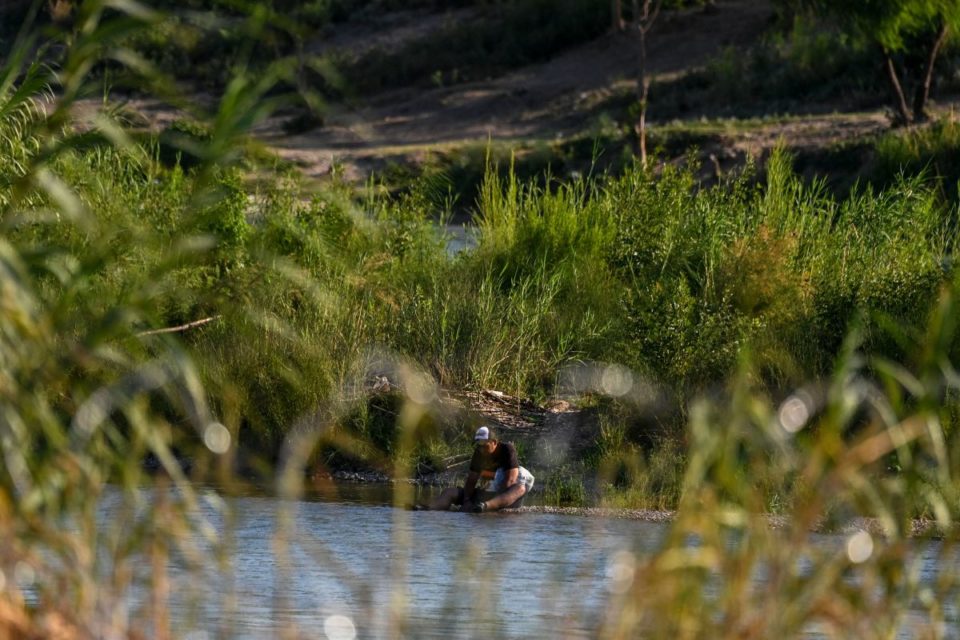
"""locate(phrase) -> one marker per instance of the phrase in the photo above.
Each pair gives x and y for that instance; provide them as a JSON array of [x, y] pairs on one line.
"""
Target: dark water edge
[[400, 495]]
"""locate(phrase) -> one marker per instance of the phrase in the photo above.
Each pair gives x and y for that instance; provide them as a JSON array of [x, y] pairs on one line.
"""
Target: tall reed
[[810, 342]]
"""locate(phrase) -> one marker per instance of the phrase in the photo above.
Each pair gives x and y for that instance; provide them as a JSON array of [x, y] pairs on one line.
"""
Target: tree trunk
[[616, 15], [922, 95], [903, 115], [643, 91], [644, 21]]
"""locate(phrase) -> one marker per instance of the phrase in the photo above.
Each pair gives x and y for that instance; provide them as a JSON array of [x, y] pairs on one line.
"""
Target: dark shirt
[[503, 457]]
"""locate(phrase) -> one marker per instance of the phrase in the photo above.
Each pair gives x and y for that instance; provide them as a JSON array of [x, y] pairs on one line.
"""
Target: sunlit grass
[[802, 344]]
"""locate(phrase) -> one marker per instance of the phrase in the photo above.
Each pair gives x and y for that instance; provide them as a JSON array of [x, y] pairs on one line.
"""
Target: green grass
[[932, 149], [803, 342], [668, 279], [564, 487]]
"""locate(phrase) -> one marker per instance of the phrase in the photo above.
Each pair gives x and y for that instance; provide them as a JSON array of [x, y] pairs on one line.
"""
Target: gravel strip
[[918, 528], [647, 515]]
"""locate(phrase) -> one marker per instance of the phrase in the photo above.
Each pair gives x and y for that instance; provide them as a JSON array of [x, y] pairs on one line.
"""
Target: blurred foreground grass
[[806, 344]]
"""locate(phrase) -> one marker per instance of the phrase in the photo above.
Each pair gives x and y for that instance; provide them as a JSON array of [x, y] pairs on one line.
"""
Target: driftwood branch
[[179, 329]]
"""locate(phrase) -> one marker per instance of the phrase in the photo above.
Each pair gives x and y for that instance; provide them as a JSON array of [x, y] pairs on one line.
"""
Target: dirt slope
[[557, 97]]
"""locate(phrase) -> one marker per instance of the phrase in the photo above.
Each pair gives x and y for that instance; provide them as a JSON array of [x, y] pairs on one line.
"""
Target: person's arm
[[476, 472], [510, 477], [470, 486], [511, 466]]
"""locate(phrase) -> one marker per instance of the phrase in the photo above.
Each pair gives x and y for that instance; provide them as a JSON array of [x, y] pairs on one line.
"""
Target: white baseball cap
[[483, 433]]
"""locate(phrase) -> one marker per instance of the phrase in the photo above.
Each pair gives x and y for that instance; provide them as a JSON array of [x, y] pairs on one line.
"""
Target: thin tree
[[922, 95], [911, 29], [616, 16], [645, 14]]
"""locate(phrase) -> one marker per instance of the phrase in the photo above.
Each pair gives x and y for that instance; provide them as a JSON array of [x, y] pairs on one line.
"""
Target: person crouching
[[494, 462]]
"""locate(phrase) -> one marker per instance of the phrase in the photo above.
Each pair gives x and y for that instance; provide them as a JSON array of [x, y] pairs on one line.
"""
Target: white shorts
[[500, 478]]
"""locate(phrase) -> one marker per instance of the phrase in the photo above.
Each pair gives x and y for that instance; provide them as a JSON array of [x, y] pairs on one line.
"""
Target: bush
[[932, 150], [564, 488], [801, 67]]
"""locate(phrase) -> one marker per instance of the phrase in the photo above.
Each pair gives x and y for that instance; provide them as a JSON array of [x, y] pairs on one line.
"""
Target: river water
[[357, 567], [364, 565]]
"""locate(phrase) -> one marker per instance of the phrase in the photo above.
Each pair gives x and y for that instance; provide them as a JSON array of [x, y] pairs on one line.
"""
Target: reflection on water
[[459, 238], [356, 567]]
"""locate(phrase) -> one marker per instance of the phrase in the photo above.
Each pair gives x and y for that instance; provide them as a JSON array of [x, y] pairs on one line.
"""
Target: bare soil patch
[[559, 97]]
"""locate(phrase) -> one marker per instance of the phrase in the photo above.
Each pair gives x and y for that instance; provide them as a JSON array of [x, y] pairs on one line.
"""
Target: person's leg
[[516, 504], [507, 498], [447, 498]]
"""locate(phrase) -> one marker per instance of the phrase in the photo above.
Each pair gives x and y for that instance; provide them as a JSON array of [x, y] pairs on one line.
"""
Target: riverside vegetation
[[806, 340]]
